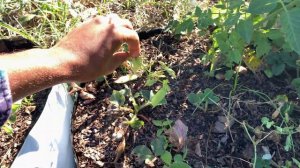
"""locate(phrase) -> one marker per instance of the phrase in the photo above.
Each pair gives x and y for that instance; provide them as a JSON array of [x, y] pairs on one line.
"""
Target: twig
[[233, 157]]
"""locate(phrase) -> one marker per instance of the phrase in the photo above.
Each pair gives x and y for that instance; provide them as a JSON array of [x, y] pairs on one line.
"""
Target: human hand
[[90, 50]]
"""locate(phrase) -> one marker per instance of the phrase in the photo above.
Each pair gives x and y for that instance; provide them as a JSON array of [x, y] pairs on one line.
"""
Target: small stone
[[241, 70], [220, 76], [99, 163], [28, 122]]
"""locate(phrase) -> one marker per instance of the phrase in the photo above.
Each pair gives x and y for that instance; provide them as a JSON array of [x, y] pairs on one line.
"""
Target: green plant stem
[[236, 79], [144, 106]]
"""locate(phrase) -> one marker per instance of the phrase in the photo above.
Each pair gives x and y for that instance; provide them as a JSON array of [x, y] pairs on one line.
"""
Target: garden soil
[[95, 124]]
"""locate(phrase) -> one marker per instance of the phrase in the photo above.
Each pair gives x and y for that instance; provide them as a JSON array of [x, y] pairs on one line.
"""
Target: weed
[[161, 147], [249, 33]]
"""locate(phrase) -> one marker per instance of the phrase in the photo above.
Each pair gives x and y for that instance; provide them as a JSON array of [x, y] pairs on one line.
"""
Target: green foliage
[[166, 158], [159, 97], [135, 122], [203, 99], [262, 6], [179, 165], [162, 123], [142, 152], [266, 121], [245, 30], [291, 27], [270, 29], [160, 147], [149, 99], [7, 127], [118, 97], [41, 22], [296, 85]]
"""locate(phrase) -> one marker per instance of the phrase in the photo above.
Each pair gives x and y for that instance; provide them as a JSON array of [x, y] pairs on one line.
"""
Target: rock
[[241, 70], [220, 76]]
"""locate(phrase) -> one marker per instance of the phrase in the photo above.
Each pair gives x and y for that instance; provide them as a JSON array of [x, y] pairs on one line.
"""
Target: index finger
[[131, 38]]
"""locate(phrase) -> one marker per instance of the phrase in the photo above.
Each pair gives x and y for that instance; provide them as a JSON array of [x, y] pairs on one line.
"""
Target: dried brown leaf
[[29, 109], [198, 150], [120, 150], [90, 87], [74, 88], [86, 96], [177, 134]]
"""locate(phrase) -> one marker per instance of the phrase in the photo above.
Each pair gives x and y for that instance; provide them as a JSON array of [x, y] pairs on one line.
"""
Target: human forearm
[[33, 70], [87, 52]]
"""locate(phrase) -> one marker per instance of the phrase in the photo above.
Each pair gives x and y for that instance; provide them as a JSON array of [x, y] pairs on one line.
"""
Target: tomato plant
[[263, 34]]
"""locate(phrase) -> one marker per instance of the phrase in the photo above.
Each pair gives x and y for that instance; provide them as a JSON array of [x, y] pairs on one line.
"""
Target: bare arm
[[33, 70], [84, 54]]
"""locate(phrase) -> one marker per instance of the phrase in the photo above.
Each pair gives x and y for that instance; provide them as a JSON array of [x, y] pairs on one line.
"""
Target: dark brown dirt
[[94, 124]]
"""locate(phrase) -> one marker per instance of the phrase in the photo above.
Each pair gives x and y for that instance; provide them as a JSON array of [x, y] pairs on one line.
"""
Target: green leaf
[[179, 165], [178, 158], [298, 62], [274, 34], [150, 81], [290, 22], [142, 152], [235, 3], [269, 73], [8, 129], [197, 12], [158, 146], [26, 18], [162, 123], [159, 97], [296, 162], [229, 74], [296, 84], [166, 158], [15, 107], [135, 122], [232, 19], [117, 98], [235, 56], [195, 98], [147, 95], [277, 69], [186, 26], [205, 20], [262, 6], [136, 64], [235, 53], [210, 96], [159, 132], [167, 69], [262, 44], [266, 121], [245, 30], [207, 96], [20, 32], [288, 143]]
